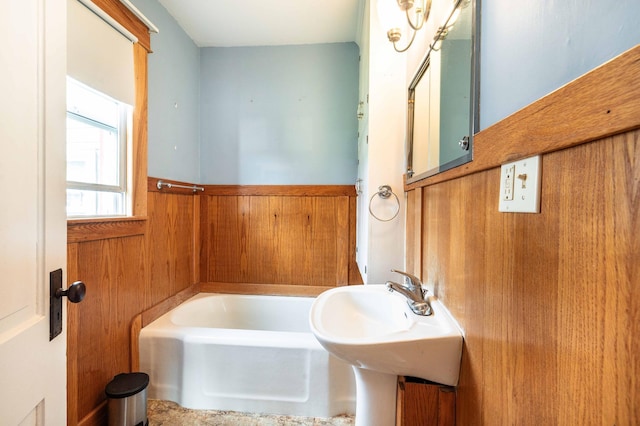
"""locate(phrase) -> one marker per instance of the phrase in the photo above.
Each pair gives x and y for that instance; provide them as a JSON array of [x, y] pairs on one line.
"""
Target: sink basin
[[378, 334], [366, 314], [371, 328]]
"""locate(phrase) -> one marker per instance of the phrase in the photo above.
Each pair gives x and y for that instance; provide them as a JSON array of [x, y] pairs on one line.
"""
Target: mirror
[[443, 97]]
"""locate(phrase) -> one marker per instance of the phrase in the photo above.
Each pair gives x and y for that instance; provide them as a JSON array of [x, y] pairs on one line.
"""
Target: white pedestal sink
[[377, 333]]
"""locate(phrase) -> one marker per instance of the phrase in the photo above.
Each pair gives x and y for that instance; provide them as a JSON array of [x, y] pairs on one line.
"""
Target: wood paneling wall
[[173, 227], [296, 239], [549, 302], [115, 273], [129, 265]]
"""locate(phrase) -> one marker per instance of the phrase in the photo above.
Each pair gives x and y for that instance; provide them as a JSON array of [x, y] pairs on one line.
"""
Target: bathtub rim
[[156, 311]]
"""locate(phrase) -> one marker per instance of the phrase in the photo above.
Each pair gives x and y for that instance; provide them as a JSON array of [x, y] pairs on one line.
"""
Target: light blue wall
[[279, 115], [174, 98], [532, 47], [301, 122]]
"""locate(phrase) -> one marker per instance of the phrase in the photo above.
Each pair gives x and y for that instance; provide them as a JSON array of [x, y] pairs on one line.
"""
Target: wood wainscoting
[[174, 241], [115, 273], [549, 302], [297, 240], [128, 265]]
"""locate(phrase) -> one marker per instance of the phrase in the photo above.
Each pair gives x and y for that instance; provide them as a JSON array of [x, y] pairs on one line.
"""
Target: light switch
[[520, 186]]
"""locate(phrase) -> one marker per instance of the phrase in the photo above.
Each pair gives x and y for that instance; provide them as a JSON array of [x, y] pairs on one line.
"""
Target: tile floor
[[167, 413]]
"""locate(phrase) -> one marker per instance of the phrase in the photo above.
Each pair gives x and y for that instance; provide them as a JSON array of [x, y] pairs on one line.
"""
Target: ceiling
[[226, 23]]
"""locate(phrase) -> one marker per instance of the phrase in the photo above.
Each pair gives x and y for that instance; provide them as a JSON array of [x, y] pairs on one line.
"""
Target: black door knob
[[75, 292]]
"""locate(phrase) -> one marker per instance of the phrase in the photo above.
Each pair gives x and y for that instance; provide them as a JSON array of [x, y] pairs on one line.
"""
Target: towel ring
[[384, 192]]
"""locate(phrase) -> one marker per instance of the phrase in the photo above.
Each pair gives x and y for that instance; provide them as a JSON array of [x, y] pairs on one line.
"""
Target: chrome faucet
[[413, 291]]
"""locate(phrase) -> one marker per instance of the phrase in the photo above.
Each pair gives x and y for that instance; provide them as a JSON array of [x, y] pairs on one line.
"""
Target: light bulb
[[390, 15]]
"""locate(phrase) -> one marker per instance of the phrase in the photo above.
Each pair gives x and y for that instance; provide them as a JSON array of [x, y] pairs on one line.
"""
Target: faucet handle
[[413, 280]]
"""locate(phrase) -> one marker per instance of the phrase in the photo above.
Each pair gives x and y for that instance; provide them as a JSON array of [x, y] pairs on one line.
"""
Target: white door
[[32, 209]]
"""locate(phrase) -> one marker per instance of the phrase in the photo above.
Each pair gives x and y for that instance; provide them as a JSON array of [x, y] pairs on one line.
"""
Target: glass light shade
[[390, 15]]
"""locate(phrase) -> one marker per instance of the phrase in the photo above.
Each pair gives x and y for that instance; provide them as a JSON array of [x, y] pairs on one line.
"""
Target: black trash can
[[127, 404]]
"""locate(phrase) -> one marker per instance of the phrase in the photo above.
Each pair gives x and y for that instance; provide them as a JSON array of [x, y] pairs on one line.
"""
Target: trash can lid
[[126, 384]]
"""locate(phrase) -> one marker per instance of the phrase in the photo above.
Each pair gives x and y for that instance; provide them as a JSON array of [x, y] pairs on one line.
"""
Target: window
[[97, 141]]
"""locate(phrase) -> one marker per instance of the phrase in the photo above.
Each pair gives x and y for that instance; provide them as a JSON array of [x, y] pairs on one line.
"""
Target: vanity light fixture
[[391, 17]]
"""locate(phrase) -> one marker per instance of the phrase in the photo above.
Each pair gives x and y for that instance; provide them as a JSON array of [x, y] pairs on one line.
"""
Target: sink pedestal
[[375, 398]]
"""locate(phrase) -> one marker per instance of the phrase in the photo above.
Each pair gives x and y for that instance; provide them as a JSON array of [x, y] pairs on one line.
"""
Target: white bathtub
[[244, 353]]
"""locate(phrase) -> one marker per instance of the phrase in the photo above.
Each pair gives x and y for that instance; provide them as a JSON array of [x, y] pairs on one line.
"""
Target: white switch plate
[[520, 186]]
